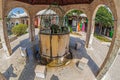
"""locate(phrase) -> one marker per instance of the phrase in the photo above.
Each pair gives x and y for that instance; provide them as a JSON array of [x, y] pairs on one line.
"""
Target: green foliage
[[102, 38], [19, 29], [55, 29], [7, 19], [70, 28], [104, 17], [111, 33], [78, 12]]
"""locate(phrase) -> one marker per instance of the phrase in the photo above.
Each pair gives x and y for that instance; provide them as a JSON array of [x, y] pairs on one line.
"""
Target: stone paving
[[17, 67], [114, 72]]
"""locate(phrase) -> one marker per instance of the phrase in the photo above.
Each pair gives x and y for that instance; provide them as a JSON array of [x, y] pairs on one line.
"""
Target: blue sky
[[17, 10]]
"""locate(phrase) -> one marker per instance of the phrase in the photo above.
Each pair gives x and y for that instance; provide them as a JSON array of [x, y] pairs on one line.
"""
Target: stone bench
[[40, 71], [23, 51], [77, 45], [82, 63]]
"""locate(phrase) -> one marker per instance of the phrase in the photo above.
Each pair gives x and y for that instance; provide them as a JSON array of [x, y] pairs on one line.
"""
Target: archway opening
[[78, 38], [104, 24], [77, 20], [102, 32], [17, 22]]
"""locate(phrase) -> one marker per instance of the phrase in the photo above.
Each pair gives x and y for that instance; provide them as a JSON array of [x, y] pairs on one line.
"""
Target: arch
[[16, 4], [42, 11], [17, 21], [10, 9], [93, 20], [104, 68], [114, 48], [74, 9], [7, 12], [39, 8]]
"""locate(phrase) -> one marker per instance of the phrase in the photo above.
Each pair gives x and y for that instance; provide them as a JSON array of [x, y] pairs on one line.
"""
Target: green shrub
[[19, 29], [102, 38]]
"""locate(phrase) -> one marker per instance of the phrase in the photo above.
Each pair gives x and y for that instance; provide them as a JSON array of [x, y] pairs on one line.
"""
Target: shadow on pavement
[[28, 71], [54, 77], [9, 72], [83, 53], [22, 43]]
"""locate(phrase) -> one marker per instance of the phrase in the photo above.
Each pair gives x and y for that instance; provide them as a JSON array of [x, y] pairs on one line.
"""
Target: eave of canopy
[[60, 2]]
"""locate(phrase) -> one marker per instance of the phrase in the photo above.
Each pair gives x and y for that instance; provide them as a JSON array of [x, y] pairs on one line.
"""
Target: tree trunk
[[105, 31], [100, 29]]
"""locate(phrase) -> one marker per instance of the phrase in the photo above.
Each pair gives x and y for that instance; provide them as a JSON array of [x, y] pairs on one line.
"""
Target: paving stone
[[82, 63], [40, 71]]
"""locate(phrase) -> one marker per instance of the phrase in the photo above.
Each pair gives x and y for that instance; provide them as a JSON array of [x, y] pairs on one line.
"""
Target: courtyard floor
[[17, 67]]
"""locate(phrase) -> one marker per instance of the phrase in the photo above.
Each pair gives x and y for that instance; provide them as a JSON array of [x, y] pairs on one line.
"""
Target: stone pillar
[[3, 31], [88, 33], [91, 33], [32, 33], [112, 53], [31, 29]]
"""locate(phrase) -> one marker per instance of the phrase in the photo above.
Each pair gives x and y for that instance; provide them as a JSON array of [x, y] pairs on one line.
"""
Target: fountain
[[54, 37]]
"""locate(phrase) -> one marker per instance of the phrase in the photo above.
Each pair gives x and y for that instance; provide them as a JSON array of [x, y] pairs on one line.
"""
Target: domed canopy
[[60, 2], [46, 12]]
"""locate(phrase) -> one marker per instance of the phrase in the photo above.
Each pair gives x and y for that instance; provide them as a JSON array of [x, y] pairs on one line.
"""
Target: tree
[[104, 18], [77, 12]]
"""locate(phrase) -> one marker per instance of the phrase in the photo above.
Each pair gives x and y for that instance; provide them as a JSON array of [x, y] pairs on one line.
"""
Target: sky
[[15, 10]]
